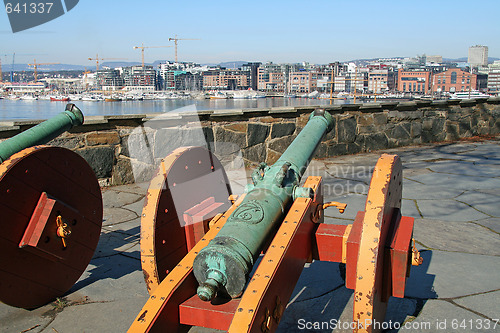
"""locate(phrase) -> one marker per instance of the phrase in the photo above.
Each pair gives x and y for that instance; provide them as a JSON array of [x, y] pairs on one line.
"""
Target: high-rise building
[[478, 55]]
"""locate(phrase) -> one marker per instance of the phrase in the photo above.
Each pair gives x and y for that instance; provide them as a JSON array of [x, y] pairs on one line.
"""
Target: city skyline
[[278, 31]]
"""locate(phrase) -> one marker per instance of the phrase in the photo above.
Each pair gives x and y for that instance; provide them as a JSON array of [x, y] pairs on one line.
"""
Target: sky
[[315, 31]]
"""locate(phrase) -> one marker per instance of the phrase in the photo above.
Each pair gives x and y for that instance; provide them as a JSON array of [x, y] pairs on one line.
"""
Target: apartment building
[[226, 79]]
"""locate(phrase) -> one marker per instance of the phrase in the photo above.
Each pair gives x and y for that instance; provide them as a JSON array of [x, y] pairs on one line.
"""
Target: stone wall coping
[[370, 107], [6, 127], [230, 114]]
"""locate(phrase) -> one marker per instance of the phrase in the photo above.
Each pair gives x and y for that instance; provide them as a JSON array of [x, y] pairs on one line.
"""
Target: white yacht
[[469, 95]]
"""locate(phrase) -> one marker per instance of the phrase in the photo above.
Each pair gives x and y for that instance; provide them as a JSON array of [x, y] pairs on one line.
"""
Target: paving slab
[[482, 303], [449, 210], [483, 202], [490, 223], [451, 236], [117, 215], [451, 274], [113, 198], [442, 316]]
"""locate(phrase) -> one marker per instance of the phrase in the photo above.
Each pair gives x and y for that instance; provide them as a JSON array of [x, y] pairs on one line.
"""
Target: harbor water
[[44, 109]]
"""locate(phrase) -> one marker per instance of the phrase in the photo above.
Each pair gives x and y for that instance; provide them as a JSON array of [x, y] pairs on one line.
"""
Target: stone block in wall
[[227, 141], [375, 141], [365, 119], [168, 139], [102, 138], [128, 171], [337, 149], [272, 156], [401, 133], [256, 153], [321, 151], [346, 130], [100, 158], [68, 142], [368, 129], [464, 128], [380, 118], [416, 129], [139, 145], [451, 130], [433, 113], [404, 115], [280, 144], [257, 133], [279, 130]]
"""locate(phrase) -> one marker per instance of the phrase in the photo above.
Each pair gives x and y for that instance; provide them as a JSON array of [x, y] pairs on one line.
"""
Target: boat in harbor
[[28, 97], [469, 95], [59, 98]]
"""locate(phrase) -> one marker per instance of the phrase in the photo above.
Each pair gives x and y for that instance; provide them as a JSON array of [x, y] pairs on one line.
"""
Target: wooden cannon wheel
[[186, 178], [382, 203], [40, 188]]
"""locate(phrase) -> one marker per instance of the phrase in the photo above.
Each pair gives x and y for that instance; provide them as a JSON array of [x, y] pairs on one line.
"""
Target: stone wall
[[124, 149]]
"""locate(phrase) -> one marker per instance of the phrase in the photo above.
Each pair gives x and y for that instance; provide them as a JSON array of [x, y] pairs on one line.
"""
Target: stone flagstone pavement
[[452, 190]]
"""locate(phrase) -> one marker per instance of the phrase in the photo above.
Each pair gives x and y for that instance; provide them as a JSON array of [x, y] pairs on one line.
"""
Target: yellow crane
[[146, 47], [175, 39], [97, 60], [35, 66]]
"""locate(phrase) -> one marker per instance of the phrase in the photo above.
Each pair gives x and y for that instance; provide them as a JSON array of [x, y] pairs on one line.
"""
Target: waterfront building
[[253, 69], [189, 81], [169, 72], [321, 80], [453, 80], [271, 78], [494, 77], [478, 56], [23, 88], [349, 82], [226, 79], [300, 82], [138, 78], [414, 81], [109, 79], [378, 80]]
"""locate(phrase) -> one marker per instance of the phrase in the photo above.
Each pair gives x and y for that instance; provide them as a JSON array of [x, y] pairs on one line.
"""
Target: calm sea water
[[42, 109]]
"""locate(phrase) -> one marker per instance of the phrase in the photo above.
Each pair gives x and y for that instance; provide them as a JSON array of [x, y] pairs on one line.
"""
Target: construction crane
[[97, 60], [146, 47], [175, 39], [35, 66]]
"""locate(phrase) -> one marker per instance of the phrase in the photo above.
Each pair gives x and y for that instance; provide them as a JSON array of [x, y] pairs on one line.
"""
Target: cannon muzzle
[[224, 264], [42, 133]]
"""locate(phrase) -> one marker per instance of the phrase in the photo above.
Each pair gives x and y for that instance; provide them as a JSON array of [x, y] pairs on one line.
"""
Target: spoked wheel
[[51, 208], [189, 188]]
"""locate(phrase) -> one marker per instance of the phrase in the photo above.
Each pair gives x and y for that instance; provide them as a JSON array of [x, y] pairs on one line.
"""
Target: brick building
[[226, 79], [452, 80], [414, 81]]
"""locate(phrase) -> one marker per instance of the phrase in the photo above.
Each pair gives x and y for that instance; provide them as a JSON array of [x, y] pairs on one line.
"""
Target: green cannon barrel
[[42, 133], [224, 264]]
